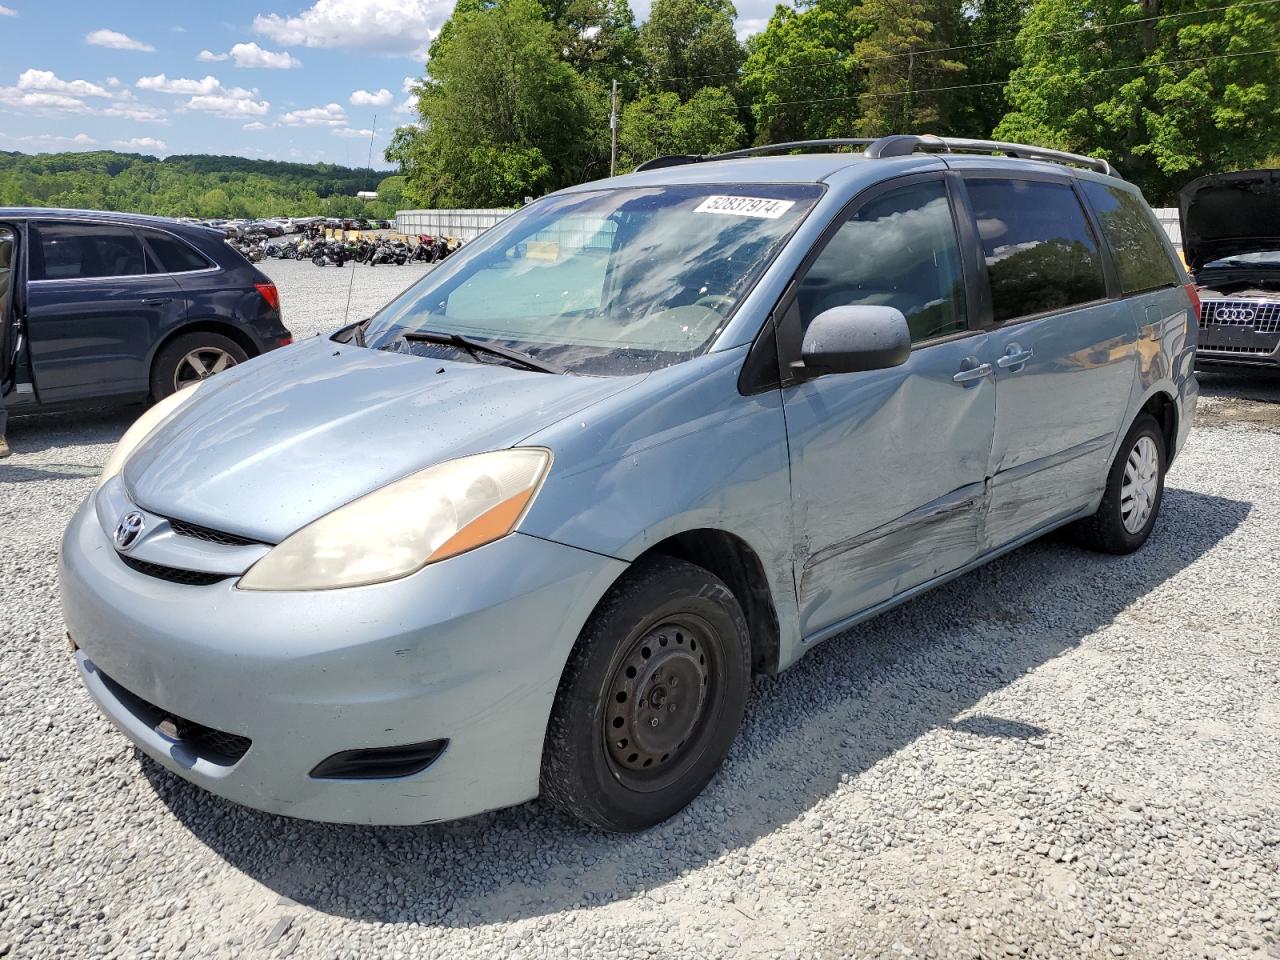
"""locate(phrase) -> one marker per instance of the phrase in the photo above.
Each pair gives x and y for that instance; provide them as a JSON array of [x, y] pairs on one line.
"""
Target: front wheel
[[651, 698], [1135, 489]]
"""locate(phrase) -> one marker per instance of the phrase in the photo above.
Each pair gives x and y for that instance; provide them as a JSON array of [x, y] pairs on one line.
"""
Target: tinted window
[[71, 250], [1041, 254], [898, 250], [7, 248], [171, 255], [1142, 259]]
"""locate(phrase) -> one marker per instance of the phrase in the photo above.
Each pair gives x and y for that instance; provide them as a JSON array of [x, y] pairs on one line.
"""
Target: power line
[[1001, 83], [1095, 27]]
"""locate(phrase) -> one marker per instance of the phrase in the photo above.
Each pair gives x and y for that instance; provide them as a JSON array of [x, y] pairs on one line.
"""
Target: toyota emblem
[[1234, 314], [128, 530]]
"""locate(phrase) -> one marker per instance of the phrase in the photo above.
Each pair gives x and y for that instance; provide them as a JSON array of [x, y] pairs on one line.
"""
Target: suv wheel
[[190, 358], [651, 698], [1135, 488]]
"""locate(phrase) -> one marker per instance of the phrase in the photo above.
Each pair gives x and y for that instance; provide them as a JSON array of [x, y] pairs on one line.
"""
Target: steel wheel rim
[[658, 703], [1140, 484], [201, 364]]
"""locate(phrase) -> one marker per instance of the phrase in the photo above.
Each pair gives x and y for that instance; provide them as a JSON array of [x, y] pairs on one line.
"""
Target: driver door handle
[[152, 301], [973, 373]]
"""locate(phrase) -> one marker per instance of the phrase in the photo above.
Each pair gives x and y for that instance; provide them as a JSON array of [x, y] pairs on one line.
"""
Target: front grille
[[216, 746], [191, 578], [1250, 314], [197, 532], [1257, 351]]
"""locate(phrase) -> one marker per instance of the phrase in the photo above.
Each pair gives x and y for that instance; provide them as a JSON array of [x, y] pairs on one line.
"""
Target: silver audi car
[[532, 528]]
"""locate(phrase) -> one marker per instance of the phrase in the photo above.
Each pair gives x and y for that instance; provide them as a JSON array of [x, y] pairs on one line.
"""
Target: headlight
[[395, 531], [142, 428]]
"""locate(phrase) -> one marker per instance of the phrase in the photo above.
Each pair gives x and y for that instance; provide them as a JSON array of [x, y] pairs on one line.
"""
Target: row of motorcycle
[[370, 251]]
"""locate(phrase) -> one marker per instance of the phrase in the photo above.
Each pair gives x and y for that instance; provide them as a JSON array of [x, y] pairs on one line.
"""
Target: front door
[[1065, 354], [889, 466], [93, 313]]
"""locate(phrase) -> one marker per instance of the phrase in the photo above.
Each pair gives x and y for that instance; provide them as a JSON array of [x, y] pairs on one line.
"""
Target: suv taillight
[[269, 294], [1194, 294]]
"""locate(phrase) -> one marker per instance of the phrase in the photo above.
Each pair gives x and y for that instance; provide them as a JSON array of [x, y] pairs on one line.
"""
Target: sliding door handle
[[1013, 357]]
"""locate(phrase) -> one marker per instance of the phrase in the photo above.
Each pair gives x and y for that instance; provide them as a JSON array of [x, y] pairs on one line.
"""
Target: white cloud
[[746, 26], [137, 111], [53, 140], [251, 55], [404, 27], [255, 125], [117, 41], [49, 82], [7, 11], [330, 115], [353, 134], [363, 98], [180, 86], [142, 143], [410, 103], [230, 105]]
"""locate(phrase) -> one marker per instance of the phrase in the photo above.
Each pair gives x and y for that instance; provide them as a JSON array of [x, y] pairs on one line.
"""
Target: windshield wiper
[[525, 360]]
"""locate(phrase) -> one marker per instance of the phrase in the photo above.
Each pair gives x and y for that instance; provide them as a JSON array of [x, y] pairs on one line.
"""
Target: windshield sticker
[[765, 208]]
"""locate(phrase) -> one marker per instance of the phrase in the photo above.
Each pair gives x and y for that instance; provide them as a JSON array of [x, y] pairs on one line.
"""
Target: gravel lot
[[1059, 754]]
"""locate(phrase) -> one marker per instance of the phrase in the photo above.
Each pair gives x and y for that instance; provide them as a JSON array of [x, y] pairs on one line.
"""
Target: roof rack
[[896, 145]]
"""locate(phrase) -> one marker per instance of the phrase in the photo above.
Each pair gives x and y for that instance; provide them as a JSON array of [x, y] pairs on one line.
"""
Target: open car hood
[[1229, 214]]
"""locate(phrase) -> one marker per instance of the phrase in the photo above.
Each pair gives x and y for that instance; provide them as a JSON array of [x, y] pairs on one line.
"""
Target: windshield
[[1270, 258], [608, 282]]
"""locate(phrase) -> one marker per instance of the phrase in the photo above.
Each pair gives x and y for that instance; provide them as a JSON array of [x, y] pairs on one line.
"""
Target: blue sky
[[299, 81], [294, 81]]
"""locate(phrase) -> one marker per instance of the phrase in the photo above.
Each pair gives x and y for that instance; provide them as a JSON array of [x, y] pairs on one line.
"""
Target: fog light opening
[[380, 763]]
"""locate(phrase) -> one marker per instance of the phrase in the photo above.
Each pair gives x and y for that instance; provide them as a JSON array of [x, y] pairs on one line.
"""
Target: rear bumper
[[469, 650]]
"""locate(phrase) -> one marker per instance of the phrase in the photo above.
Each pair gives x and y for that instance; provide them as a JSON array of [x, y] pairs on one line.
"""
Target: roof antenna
[[346, 314]]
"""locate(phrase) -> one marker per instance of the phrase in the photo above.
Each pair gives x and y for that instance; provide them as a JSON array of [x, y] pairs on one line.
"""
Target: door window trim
[[1109, 275]]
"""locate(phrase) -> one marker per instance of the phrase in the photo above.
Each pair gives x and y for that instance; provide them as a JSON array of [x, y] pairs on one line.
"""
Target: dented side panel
[[888, 472], [1057, 415]]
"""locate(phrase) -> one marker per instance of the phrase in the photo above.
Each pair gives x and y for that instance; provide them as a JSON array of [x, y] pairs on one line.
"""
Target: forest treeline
[[515, 98], [192, 186]]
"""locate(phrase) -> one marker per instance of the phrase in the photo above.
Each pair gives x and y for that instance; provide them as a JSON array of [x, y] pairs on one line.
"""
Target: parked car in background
[[1231, 240], [533, 527], [127, 307]]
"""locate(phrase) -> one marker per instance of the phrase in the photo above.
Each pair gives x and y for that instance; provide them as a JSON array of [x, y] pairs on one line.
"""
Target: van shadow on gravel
[[852, 702]]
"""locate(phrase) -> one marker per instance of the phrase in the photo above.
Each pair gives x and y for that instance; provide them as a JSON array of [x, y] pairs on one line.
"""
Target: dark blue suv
[[98, 306]]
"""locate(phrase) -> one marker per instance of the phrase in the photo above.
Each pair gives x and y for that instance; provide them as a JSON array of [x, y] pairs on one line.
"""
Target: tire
[[1106, 530], [171, 365], [665, 627]]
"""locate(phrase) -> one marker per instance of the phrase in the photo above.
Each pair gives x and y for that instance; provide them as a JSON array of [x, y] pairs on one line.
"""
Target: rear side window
[[898, 250], [1040, 253], [1142, 260], [69, 251], [171, 255]]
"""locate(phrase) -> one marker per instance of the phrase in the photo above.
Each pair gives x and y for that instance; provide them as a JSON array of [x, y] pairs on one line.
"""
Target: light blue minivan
[[532, 528]]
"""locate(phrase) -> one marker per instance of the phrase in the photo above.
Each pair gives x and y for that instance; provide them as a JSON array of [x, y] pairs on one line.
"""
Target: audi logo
[[1234, 314]]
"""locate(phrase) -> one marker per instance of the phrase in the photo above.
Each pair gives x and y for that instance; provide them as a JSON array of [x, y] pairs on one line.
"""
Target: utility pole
[[372, 133], [613, 128]]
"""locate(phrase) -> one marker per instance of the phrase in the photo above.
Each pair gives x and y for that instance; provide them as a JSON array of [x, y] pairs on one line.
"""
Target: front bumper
[[470, 649], [1239, 332]]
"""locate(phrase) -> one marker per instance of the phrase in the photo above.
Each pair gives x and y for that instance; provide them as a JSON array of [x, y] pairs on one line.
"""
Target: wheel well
[[241, 338], [733, 561], [1165, 411]]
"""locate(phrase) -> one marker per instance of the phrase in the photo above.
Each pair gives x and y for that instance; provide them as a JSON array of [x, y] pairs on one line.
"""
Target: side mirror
[[854, 338]]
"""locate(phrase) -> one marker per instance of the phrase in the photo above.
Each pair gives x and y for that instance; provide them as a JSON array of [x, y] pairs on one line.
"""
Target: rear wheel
[[190, 358], [1135, 490], [651, 699]]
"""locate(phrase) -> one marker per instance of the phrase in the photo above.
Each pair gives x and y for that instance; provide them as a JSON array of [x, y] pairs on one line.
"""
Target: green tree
[[658, 124], [988, 29], [800, 74], [1165, 101], [905, 69], [690, 44], [499, 102]]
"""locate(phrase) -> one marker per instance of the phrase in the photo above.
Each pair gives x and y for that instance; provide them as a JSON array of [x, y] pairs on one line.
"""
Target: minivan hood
[[1230, 214], [270, 446]]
